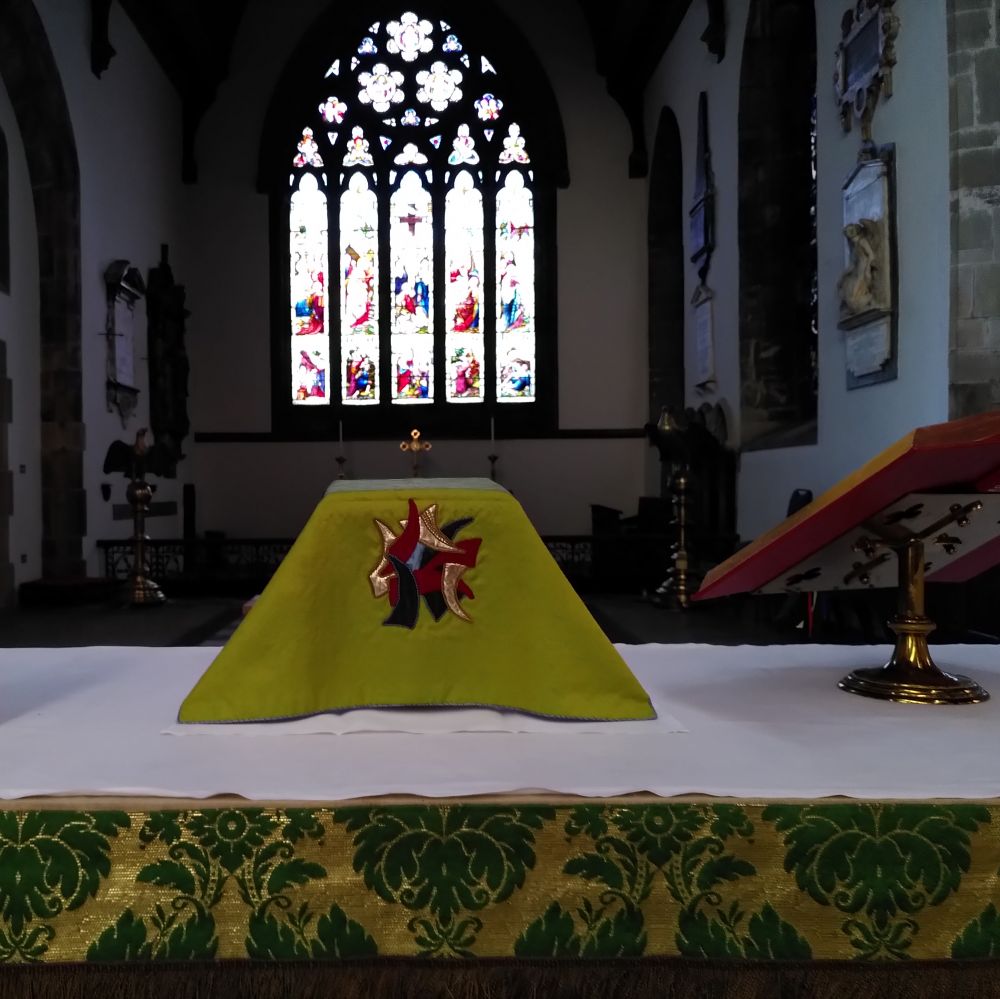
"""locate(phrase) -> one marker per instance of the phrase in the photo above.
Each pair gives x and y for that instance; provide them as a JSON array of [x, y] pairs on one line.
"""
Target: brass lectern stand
[[134, 461]]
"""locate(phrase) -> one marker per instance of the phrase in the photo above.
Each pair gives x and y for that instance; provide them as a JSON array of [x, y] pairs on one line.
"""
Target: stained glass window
[[359, 328], [463, 228], [463, 148], [411, 244], [308, 249], [438, 86], [381, 88], [487, 107], [409, 36], [515, 247], [357, 150], [425, 203], [333, 110]]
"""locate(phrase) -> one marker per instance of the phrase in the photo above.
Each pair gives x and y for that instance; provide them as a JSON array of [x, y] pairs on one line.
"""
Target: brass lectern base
[[914, 686]]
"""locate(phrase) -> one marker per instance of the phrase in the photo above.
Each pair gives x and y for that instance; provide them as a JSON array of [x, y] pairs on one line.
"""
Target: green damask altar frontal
[[794, 882]]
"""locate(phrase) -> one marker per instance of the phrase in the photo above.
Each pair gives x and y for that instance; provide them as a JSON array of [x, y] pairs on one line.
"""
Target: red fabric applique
[[424, 561]]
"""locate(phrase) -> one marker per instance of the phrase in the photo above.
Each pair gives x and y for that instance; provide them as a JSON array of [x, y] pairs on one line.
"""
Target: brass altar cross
[[415, 447]]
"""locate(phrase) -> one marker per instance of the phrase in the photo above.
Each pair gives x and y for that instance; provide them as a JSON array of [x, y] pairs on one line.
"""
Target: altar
[[419, 749], [772, 825]]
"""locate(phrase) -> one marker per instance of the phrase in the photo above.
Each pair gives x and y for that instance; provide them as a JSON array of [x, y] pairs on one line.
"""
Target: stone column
[[974, 111], [31, 76]]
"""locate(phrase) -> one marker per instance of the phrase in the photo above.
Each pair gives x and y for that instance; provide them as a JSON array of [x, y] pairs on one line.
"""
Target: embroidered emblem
[[424, 560]]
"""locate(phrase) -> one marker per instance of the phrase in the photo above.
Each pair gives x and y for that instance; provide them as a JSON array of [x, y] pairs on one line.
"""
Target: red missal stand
[[932, 500]]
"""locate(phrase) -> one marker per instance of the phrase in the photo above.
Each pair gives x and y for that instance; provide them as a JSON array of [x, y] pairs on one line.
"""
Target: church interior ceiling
[[193, 42]]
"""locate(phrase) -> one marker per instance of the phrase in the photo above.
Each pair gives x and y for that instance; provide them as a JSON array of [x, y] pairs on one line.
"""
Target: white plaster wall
[[127, 131], [251, 491], [603, 311], [19, 330], [686, 69], [853, 426], [602, 296]]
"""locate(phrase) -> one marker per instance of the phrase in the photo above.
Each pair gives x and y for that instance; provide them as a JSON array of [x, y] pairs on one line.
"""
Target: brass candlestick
[[142, 590], [681, 560], [911, 675], [415, 447], [674, 591]]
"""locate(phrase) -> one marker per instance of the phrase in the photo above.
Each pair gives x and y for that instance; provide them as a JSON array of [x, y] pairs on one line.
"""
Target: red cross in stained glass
[[412, 219]]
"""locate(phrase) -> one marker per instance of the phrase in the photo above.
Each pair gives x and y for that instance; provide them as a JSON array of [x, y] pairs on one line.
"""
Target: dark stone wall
[[30, 74], [4, 215], [974, 112]]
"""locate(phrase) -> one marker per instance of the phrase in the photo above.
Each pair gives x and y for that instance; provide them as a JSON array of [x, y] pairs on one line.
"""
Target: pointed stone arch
[[31, 77], [777, 225], [665, 235]]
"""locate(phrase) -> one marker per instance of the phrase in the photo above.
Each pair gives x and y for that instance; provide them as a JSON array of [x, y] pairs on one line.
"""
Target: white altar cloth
[[763, 722], [428, 721]]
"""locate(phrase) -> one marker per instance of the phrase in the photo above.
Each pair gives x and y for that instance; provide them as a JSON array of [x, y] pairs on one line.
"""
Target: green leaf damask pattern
[[879, 865], [49, 862], [445, 861], [237, 848], [688, 849], [709, 880]]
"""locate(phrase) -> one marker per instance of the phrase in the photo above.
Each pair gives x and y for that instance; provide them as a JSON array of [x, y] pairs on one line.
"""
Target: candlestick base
[[911, 676], [143, 592]]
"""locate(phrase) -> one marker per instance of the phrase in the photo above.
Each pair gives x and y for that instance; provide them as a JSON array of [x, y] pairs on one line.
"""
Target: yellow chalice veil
[[419, 592]]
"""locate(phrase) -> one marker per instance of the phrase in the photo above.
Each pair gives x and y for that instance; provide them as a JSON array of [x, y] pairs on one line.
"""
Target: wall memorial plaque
[[865, 57], [124, 287], [867, 287]]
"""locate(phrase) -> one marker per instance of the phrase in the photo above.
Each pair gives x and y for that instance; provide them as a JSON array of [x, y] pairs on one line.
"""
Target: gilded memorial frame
[[864, 61]]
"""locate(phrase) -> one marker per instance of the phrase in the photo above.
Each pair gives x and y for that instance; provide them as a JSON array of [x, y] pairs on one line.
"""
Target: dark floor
[[211, 620], [634, 620], [177, 622], [624, 618]]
